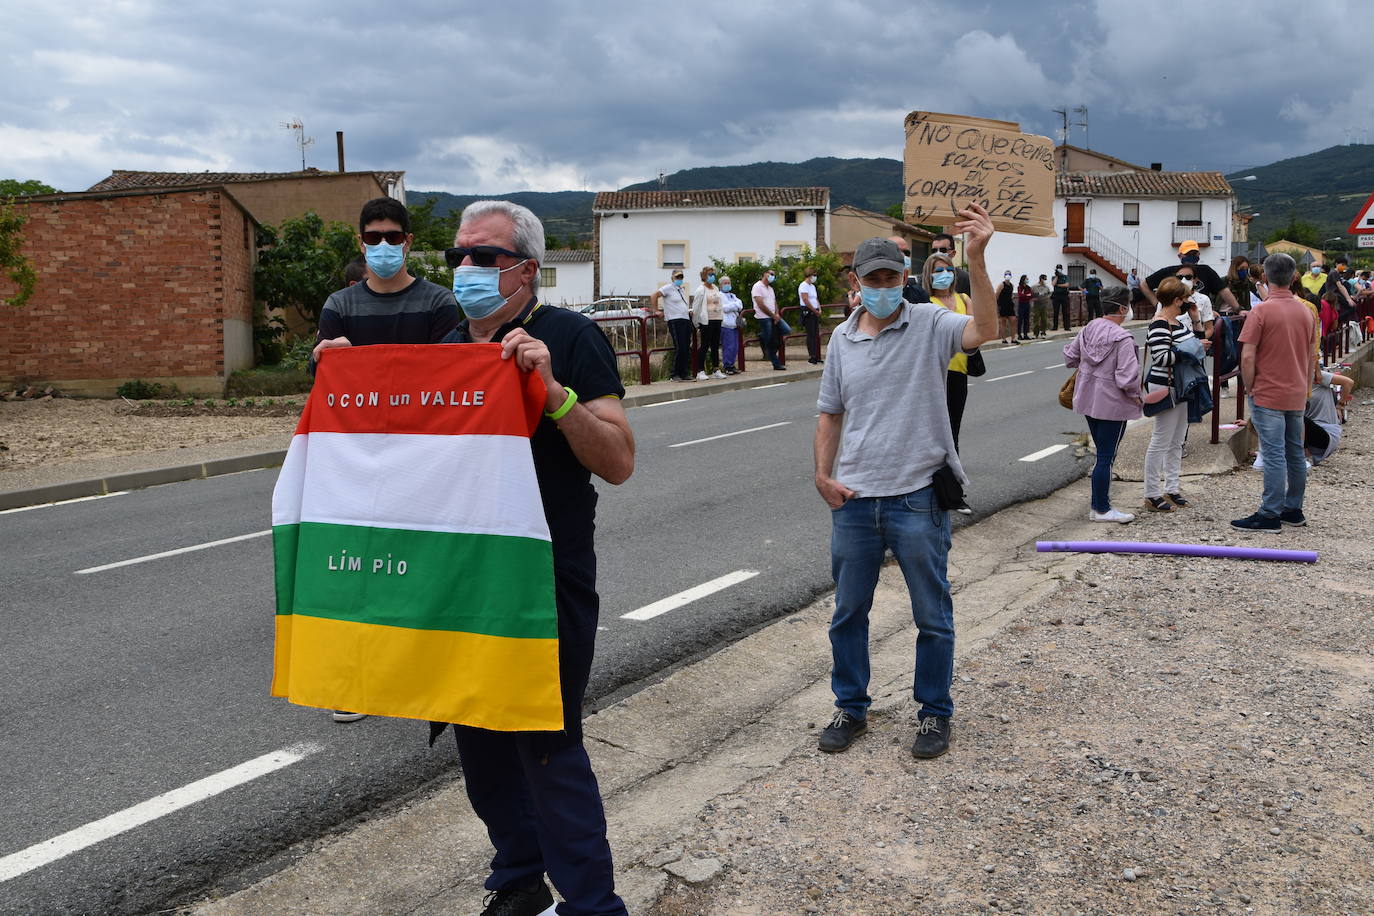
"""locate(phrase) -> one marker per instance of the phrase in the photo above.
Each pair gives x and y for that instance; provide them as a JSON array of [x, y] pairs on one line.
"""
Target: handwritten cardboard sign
[[953, 159]]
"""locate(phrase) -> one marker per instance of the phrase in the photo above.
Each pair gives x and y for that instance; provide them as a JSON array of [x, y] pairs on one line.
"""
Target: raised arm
[[975, 222]]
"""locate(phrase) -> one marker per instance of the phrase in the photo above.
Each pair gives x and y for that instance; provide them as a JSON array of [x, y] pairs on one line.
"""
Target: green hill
[[1325, 188]]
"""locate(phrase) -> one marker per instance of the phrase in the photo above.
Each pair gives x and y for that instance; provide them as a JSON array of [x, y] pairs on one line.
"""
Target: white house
[[1113, 216], [640, 237], [565, 276]]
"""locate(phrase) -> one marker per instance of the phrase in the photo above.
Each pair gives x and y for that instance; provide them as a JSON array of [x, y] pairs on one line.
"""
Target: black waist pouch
[[949, 493]]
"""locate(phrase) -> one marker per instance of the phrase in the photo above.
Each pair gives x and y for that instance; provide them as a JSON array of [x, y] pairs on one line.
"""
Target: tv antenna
[[302, 140], [662, 180], [1065, 123], [1083, 110]]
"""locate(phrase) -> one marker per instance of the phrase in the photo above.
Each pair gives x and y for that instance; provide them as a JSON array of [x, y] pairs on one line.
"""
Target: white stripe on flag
[[460, 484]]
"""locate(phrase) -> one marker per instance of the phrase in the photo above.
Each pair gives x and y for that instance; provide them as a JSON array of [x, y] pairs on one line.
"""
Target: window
[[672, 254], [1130, 214], [548, 277], [789, 218], [745, 257], [790, 251], [1190, 213]]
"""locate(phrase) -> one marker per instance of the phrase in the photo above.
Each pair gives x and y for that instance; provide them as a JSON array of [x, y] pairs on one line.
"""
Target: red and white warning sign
[[1363, 223]]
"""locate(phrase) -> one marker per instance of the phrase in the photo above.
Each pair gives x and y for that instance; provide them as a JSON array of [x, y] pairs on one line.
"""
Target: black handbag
[[976, 366]]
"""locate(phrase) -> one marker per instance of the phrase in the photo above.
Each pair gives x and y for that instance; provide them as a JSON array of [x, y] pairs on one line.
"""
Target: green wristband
[[562, 412]]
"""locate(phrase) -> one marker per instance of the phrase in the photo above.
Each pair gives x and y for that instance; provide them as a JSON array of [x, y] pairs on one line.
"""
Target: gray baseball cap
[[877, 254]]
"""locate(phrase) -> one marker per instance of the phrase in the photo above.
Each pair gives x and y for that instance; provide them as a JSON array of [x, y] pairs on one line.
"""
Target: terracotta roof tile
[[713, 198], [125, 179], [1141, 184], [567, 256]]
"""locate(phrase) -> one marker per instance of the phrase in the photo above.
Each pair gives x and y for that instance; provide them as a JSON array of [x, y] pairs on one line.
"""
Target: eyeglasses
[[391, 237], [482, 255]]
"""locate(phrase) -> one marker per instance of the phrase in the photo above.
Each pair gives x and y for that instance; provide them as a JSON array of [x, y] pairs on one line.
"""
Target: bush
[[139, 390], [297, 354], [269, 381]]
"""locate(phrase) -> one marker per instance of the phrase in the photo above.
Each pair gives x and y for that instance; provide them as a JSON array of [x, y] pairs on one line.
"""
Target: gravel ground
[[58, 430], [1161, 735]]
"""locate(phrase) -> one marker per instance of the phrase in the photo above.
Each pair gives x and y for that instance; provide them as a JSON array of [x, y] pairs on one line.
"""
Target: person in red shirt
[[1277, 364]]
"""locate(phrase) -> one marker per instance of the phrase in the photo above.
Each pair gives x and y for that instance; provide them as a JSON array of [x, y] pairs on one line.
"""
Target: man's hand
[[532, 355], [977, 226], [329, 344], [832, 491]]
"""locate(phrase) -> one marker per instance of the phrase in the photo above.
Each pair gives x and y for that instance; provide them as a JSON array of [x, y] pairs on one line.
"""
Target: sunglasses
[[391, 237], [1184, 276], [482, 255], [942, 250]]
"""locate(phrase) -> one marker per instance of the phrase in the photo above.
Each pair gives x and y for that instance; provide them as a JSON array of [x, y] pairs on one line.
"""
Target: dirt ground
[[56, 430], [1163, 735]]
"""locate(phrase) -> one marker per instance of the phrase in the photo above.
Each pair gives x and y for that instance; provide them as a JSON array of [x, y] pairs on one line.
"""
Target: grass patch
[[268, 381]]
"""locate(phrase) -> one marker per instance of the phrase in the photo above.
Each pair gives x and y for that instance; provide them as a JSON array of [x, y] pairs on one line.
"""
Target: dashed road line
[[738, 432], [172, 553], [1045, 452], [697, 592]]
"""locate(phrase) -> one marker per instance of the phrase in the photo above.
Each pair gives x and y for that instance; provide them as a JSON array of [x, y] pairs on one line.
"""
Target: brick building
[[153, 285]]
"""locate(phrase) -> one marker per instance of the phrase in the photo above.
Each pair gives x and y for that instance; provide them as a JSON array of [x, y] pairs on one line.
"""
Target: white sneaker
[[701, 376], [343, 715], [1111, 515], [1259, 463], [717, 374]]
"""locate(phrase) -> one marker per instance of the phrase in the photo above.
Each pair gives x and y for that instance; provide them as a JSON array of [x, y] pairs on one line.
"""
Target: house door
[[1074, 234]]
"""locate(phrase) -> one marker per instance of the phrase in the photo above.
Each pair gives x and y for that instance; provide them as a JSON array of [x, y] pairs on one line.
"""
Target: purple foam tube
[[1179, 550]]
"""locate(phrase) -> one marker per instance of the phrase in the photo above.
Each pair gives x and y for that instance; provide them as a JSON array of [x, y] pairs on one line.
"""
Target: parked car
[[614, 307]]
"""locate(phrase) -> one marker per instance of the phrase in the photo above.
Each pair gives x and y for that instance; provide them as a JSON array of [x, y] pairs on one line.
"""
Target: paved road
[[124, 684]]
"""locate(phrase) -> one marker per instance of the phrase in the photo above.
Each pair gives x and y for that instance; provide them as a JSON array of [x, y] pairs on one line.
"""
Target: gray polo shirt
[[891, 390]]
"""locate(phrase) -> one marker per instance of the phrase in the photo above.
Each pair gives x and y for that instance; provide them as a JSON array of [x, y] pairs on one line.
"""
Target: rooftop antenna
[[1064, 125], [662, 180], [302, 140], [1083, 110]]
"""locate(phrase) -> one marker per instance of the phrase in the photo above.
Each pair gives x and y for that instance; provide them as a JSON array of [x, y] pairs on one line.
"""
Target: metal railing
[[1200, 233], [1109, 251]]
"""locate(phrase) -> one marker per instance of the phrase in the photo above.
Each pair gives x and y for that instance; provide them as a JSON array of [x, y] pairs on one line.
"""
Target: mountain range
[[1324, 188]]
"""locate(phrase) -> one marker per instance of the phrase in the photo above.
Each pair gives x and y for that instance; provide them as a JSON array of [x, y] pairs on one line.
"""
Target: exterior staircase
[[1106, 254]]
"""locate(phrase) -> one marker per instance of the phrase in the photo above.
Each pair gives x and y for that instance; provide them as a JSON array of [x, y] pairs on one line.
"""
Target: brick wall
[[130, 286]]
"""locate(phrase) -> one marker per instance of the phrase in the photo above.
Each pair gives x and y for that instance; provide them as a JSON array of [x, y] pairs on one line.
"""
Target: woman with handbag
[[1106, 391], [1164, 456]]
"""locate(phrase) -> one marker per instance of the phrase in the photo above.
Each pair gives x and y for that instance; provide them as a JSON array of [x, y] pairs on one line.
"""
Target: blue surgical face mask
[[478, 289], [880, 302], [385, 260], [906, 261], [710, 278], [942, 278], [1316, 268]]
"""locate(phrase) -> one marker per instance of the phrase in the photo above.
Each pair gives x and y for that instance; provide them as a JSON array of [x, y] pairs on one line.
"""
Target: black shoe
[[1258, 522], [1178, 500], [779, 368], [932, 737], [518, 901], [841, 732], [1158, 504], [1293, 517]]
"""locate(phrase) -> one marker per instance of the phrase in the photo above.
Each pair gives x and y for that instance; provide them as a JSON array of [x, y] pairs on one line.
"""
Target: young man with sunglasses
[[389, 305], [536, 792]]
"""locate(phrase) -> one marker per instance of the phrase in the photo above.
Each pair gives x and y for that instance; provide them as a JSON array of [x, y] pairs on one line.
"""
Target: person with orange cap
[[1205, 280]]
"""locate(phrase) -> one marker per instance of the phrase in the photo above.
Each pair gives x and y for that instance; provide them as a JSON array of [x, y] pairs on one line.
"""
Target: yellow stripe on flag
[[492, 682]]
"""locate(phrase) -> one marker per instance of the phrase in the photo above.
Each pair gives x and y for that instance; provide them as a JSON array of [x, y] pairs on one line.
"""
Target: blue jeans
[[1106, 437], [916, 530], [1285, 466], [768, 341]]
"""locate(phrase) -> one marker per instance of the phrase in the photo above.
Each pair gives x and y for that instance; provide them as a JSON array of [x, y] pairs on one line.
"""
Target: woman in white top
[[708, 312], [731, 325]]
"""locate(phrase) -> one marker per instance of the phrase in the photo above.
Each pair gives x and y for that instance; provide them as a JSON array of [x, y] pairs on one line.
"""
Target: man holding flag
[[535, 791]]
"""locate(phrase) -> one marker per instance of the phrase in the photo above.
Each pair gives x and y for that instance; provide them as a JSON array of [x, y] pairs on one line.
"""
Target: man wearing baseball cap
[[1206, 280], [885, 456]]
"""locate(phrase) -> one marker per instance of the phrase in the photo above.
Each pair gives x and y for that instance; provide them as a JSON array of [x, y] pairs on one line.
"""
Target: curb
[[136, 480]]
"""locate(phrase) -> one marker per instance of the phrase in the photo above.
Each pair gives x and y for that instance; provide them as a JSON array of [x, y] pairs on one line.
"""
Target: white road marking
[[672, 602], [774, 385], [1137, 421], [172, 553], [739, 432], [1057, 366], [659, 404], [40, 854], [63, 502], [1013, 375], [1045, 452]]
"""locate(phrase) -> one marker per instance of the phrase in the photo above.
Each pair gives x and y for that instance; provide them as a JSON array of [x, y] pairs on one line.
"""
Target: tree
[[301, 262], [1297, 230], [432, 233], [13, 187], [12, 261]]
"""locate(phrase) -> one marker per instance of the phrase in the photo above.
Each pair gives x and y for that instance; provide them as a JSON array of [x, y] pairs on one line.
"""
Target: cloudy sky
[[476, 96]]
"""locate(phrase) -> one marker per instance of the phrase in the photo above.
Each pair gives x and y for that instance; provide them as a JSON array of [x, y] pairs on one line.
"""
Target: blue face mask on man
[[478, 289], [880, 302], [385, 260]]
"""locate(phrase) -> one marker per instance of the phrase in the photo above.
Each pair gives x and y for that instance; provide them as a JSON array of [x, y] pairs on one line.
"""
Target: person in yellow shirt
[[1313, 281]]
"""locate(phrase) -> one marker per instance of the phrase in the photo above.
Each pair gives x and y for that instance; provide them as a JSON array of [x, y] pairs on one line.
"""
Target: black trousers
[[681, 331], [1057, 306], [710, 344], [1094, 307], [956, 395], [1023, 319], [811, 324]]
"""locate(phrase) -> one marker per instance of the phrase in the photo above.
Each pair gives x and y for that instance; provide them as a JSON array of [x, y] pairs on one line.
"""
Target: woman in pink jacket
[[1107, 391]]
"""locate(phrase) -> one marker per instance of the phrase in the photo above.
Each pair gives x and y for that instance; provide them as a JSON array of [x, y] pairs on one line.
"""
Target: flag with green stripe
[[414, 571]]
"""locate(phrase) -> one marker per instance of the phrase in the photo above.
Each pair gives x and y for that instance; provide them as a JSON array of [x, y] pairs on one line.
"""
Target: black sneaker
[[932, 737], [841, 732], [518, 901], [1293, 517], [1258, 522]]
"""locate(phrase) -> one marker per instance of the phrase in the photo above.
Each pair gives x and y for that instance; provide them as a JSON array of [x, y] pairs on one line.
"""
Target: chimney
[[1154, 166], [338, 139]]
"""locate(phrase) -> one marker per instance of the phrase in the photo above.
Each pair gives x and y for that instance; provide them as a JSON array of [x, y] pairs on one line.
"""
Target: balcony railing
[[1200, 233]]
